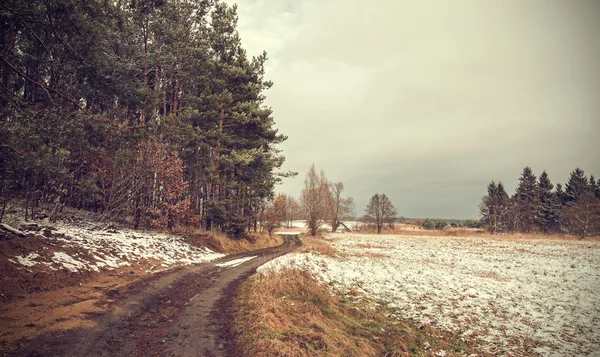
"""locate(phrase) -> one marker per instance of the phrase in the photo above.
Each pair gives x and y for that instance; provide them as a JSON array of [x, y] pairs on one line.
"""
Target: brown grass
[[219, 242], [290, 314], [317, 244], [405, 229]]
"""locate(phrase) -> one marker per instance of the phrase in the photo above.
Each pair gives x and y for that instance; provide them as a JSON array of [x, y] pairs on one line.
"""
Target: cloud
[[427, 101]]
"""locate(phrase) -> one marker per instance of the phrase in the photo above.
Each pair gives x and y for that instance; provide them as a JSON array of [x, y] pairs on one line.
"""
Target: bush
[[472, 223], [434, 223]]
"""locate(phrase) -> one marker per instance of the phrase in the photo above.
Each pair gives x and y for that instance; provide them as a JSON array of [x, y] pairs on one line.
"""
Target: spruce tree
[[560, 194], [494, 207], [595, 186], [547, 211], [576, 186], [526, 200]]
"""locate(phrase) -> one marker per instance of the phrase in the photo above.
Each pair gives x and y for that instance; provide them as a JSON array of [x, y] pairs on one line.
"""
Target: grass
[[317, 244], [290, 314], [219, 242], [412, 230]]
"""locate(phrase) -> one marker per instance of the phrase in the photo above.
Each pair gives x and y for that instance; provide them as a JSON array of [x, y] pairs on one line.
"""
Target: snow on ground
[[234, 263], [96, 249], [507, 294]]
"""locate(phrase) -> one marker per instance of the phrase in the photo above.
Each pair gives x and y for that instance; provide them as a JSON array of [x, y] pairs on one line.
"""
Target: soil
[[16, 282], [185, 311]]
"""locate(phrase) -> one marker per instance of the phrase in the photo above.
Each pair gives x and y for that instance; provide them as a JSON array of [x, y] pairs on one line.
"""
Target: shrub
[[434, 223], [472, 223]]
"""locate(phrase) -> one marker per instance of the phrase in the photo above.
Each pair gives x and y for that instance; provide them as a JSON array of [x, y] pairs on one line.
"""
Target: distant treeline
[[537, 206], [148, 110], [441, 223]]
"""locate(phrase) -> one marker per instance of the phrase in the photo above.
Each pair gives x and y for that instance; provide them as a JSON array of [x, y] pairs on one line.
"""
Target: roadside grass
[[317, 244], [221, 243], [290, 314]]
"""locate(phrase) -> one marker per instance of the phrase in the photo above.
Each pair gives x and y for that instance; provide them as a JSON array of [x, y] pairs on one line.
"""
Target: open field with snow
[[515, 297]]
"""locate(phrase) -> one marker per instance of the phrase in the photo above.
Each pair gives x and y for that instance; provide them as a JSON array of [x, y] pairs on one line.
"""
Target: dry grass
[[317, 244], [219, 242], [290, 314], [409, 230]]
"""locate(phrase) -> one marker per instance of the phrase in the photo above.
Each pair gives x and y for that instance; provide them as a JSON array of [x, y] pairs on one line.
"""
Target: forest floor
[[64, 287]]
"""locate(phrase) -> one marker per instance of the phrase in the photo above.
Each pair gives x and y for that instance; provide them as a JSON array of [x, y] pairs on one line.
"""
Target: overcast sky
[[427, 101]]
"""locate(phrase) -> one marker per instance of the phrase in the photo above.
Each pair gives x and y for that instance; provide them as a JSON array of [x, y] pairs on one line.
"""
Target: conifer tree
[[494, 207], [576, 186], [547, 215], [525, 201], [86, 87], [560, 194], [595, 186]]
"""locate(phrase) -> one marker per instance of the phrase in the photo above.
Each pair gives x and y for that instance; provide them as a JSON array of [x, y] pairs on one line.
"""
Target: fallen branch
[[12, 230]]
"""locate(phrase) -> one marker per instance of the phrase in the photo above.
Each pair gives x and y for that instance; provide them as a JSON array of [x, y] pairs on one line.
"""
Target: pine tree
[[89, 84], [576, 186], [494, 207], [595, 186], [525, 201], [547, 211]]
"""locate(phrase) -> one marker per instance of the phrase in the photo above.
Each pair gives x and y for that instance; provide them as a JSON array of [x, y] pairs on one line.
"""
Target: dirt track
[[182, 312]]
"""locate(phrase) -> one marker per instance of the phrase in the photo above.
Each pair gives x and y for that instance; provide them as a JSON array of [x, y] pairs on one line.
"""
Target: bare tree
[[281, 206], [314, 199], [583, 216], [292, 211], [272, 218], [339, 208], [380, 211]]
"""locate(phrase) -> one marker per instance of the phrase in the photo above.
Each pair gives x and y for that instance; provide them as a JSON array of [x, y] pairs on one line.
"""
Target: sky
[[427, 101]]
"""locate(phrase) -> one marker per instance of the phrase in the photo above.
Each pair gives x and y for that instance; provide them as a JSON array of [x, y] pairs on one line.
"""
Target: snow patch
[[27, 260], [114, 250], [234, 263]]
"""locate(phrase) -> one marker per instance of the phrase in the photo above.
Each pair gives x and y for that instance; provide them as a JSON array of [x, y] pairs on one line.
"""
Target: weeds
[[320, 245], [221, 243], [291, 314]]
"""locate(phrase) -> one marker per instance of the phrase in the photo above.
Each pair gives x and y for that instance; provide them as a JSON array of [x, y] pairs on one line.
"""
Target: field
[[511, 297]]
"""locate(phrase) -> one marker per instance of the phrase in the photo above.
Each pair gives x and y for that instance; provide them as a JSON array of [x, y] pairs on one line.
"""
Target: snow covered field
[[515, 297], [81, 249]]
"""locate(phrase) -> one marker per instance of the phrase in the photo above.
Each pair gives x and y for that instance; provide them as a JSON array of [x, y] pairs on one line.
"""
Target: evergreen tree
[[595, 186], [560, 194], [88, 85], [547, 215], [494, 207], [576, 186], [525, 201]]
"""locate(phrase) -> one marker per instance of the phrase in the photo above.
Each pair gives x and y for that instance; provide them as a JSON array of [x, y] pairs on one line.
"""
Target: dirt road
[[182, 312]]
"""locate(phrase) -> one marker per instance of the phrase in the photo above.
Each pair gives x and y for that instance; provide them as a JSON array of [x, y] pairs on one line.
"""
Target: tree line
[[323, 202], [538, 206], [150, 110]]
